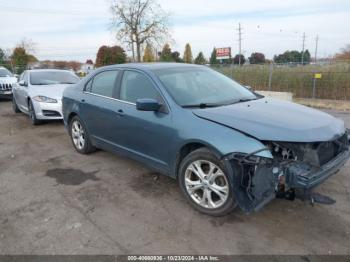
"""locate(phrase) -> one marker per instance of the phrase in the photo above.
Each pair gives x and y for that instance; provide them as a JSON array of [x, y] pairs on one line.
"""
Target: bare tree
[[140, 21], [28, 44]]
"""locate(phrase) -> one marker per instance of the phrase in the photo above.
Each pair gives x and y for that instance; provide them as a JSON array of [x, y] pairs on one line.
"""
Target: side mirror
[[22, 83], [249, 88], [147, 104], [15, 75]]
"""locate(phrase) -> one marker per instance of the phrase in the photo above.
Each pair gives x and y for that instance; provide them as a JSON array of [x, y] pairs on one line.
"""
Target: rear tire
[[80, 137], [32, 114], [14, 105], [206, 183]]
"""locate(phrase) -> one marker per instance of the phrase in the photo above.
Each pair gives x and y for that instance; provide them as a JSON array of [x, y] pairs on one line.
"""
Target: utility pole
[[239, 43], [316, 47], [302, 54]]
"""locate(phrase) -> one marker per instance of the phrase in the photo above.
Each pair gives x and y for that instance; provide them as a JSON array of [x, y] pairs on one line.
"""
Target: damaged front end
[[293, 171]]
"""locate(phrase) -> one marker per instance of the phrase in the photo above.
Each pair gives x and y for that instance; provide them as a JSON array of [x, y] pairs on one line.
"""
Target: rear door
[[98, 107]]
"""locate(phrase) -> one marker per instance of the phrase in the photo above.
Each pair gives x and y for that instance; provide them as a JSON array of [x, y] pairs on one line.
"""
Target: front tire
[[32, 114], [14, 105], [206, 183], [80, 137]]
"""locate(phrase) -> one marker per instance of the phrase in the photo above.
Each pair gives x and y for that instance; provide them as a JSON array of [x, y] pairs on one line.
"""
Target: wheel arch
[[187, 148], [70, 117]]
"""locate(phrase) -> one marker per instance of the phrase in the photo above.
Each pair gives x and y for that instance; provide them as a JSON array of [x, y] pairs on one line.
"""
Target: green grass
[[334, 84]]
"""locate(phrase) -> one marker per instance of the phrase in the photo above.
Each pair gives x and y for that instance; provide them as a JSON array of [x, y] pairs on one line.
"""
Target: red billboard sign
[[223, 53]]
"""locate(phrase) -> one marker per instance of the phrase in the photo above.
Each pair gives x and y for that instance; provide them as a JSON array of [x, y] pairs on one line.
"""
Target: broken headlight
[[283, 151]]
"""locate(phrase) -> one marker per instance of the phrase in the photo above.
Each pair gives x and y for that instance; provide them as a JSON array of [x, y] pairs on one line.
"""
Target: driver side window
[[135, 86]]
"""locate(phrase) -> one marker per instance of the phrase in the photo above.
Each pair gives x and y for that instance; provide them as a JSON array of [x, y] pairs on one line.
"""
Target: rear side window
[[103, 84], [135, 85]]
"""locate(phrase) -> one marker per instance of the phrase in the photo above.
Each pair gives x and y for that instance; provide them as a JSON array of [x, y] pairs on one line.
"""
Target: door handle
[[83, 100], [120, 112]]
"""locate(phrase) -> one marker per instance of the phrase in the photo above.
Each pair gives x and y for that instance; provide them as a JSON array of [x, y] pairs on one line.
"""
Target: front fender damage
[[253, 180]]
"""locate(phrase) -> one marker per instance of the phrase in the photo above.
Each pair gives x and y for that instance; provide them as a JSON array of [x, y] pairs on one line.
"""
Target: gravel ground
[[56, 201]]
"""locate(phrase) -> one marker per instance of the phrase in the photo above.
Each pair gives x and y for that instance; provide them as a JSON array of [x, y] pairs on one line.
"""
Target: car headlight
[[44, 99]]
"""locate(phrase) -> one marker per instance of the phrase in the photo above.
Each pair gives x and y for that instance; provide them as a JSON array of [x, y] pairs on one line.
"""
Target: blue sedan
[[226, 145]]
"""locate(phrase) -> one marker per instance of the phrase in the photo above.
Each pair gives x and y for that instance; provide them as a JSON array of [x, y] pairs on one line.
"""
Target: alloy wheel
[[206, 184], [78, 135]]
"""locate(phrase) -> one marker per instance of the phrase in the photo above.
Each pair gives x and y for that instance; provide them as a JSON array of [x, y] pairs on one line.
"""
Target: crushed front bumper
[[301, 176], [257, 180]]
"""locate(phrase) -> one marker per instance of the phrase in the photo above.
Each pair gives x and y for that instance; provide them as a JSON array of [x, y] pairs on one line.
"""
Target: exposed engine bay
[[294, 170]]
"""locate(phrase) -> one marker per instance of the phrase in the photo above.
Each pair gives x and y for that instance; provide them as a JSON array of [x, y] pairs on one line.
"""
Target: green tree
[[4, 60], [20, 59], [292, 57], [166, 55], [148, 56], [200, 59], [213, 59], [307, 57], [188, 58], [236, 59], [2, 57], [110, 55], [176, 57], [118, 55], [257, 58], [32, 59]]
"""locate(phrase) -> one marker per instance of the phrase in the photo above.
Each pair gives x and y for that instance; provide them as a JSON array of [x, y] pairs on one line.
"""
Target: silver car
[[39, 93]]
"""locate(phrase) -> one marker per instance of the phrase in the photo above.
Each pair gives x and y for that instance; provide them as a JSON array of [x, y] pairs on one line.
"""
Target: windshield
[[4, 72], [53, 78], [202, 87]]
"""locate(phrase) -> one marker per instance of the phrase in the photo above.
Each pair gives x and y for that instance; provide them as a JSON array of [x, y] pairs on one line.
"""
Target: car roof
[[153, 66], [48, 70]]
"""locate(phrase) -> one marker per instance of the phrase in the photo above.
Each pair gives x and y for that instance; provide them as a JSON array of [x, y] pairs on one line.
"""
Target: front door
[[21, 92], [143, 133]]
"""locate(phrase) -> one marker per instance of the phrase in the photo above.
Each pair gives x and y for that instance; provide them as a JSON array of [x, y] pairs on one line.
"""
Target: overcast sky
[[74, 29]]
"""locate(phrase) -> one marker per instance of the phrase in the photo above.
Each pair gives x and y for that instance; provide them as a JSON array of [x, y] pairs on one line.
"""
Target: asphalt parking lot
[[56, 201]]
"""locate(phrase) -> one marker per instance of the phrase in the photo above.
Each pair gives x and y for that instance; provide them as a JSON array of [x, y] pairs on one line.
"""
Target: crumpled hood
[[8, 80], [276, 120], [52, 91]]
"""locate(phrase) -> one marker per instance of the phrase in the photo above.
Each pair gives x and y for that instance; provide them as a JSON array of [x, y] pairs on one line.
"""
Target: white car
[[7, 79], [39, 93]]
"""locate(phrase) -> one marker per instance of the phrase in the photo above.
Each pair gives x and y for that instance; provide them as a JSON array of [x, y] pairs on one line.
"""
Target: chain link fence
[[323, 81]]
